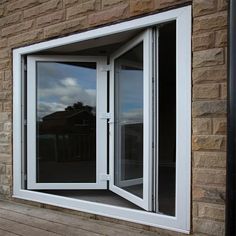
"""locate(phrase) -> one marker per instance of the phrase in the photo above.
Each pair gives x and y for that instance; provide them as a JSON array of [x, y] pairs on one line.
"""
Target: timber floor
[[26, 220]]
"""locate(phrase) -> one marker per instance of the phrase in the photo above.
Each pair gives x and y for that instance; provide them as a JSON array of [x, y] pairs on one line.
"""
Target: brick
[[7, 106], [5, 158], [23, 4], [5, 190], [5, 116], [211, 22], [5, 148], [168, 3], [223, 91], [2, 11], [211, 211], [221, 38], [68, 3], [206, 91], [6, 180], [10, 19], [222, 5], [1, 124], [2, 169], [109, 15], [111, 3], [5, 95], [209, 177], [80, 9], [210, 57], [3, 43], [203, 7], [9, 170], [7, 126], [209, 109], [14, 29], [1, 75], [4, 53], [51, 18], [203, 41], [202, 126], [4, 64], [209, 194], [208, 227], [140, 6], [5, 137], [209, 160], [195, 209], [48, 6], [7, 85], [26, 38], [65, 27], [219, 126], [209, 142], [210, 74], [8, 75]]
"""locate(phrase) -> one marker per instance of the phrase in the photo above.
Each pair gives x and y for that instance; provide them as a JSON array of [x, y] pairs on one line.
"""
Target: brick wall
[[23, 22], [209, 115]]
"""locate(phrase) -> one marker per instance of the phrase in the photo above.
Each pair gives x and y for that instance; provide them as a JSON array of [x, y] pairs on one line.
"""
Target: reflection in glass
[[129, 121], [66, 122]]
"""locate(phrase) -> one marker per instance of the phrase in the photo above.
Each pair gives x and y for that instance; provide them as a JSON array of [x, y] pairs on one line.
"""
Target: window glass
[[129, 121], [66, 122]]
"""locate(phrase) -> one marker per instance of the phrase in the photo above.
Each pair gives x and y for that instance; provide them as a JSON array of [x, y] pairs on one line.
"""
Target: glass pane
[[129, 121], [66, 122], [167, 118]]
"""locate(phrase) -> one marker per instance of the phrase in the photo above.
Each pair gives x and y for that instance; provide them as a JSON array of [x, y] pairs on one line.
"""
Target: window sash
[[146, 201], [101, 124]]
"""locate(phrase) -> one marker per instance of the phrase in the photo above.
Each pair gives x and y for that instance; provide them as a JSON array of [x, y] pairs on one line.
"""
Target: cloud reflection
[[61, 85]]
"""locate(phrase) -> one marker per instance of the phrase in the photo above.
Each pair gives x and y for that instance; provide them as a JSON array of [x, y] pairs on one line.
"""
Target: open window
[[69, 135], [130, 128], [102, 120]]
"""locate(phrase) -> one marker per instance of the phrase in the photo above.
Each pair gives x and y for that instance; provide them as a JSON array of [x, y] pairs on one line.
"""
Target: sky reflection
[[62, 84]]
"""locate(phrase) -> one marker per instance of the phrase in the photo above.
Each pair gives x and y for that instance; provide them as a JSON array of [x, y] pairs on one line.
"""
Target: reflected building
[[67, 136]]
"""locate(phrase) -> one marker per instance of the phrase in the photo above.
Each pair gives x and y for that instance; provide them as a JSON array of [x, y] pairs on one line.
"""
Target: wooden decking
[[25, 220]]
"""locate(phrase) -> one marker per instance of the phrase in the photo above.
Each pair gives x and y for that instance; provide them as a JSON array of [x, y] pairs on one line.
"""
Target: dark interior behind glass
[[167, 118]]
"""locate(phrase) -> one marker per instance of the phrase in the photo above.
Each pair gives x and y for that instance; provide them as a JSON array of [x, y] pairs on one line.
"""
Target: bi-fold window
[[102, 120], [69, 122]]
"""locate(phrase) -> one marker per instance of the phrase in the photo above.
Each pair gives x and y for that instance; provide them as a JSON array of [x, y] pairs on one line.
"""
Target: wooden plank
[[6, 233], [101, 227], [58, 228], [22, 229], [125, 228]]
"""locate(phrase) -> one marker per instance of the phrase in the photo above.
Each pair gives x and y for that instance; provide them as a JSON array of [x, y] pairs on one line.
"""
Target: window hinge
[[25, 122], [105, 177], [25, 177], [106, 68], [25, 67], [105, 116]]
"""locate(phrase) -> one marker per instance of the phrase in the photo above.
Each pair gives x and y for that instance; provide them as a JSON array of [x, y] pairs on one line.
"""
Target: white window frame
[[145, 202], [101, 124], [181, 221]]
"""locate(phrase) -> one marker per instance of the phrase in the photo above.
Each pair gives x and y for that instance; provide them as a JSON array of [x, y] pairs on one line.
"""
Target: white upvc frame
[[145, 202], [101, 124], [181, 221]]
